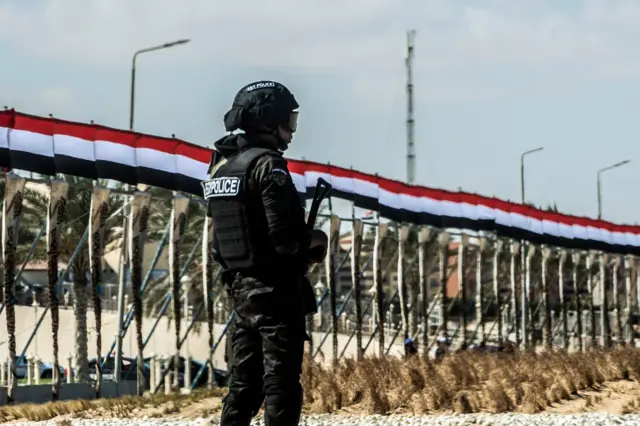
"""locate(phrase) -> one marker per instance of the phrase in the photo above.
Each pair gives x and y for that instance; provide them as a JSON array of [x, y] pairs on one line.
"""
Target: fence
[[469, 270]]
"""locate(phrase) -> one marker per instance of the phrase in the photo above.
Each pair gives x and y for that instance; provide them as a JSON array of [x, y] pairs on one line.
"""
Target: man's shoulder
[[271, 159], [269, 162], [272, 168]]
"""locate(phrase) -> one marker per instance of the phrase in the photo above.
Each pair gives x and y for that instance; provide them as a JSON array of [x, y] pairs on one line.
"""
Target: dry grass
[[125, 407], [466, 382], [632, 407]]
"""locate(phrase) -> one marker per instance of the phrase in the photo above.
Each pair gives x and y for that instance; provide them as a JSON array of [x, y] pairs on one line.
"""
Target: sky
[[493, 78]]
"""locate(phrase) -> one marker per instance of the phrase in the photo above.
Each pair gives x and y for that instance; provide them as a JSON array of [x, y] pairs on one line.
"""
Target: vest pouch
[[226, 198]]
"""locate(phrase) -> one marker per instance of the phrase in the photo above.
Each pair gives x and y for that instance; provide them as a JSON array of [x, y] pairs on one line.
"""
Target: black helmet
[[260, 105]]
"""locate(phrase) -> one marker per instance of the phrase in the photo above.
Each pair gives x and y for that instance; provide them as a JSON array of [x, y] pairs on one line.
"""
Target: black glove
[[318, 246]]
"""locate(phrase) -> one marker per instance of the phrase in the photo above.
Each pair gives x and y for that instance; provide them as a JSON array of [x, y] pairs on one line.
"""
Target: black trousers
[[268, 347]]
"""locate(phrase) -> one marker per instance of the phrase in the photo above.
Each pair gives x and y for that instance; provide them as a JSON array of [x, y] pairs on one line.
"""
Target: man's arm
[[274, 183]]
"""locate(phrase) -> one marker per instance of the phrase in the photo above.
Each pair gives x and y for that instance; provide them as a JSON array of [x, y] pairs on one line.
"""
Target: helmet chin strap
[[273, 137], [280, 143]]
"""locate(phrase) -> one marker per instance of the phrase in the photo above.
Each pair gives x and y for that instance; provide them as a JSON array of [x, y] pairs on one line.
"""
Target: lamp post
[[523, 255], [124, 261], [613, 166], [133, 72], [531, 151]]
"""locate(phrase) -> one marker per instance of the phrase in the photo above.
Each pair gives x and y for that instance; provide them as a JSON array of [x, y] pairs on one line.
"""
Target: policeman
[[263, 244]]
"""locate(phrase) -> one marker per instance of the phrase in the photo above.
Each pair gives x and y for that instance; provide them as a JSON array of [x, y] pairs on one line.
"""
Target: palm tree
[[159, 214], [77, 215], [156, 299]]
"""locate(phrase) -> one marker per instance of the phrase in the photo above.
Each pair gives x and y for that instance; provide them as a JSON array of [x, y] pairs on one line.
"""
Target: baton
[[322, 191]]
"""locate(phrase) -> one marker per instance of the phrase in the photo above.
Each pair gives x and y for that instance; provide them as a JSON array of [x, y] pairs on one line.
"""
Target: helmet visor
[[292, 125]]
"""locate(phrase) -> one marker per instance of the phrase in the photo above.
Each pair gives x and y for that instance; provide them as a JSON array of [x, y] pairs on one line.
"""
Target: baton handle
[[322, 191]]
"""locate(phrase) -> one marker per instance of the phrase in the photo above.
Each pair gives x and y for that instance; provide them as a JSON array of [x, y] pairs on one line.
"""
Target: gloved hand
[[318, 246]]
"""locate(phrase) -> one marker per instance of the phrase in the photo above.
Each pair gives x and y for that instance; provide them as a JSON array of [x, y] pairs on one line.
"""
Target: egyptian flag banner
[[48, 146]]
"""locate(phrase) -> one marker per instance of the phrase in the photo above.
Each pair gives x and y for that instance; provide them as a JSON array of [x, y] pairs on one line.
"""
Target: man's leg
[[283, 348], [245, 388]]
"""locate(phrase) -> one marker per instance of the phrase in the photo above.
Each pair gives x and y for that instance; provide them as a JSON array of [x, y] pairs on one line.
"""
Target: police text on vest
[[221, 187]]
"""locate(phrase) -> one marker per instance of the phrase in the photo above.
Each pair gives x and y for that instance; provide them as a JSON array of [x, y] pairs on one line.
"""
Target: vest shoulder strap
[[214, 168], [246, 158], [242, 163]]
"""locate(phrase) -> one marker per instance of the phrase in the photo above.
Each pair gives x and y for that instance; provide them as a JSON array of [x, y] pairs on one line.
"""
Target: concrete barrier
[[110, 389], [40, 394], [162, 341]]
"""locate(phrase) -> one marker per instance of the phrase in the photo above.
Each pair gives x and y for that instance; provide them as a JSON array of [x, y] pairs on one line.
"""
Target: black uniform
[[261, 240]]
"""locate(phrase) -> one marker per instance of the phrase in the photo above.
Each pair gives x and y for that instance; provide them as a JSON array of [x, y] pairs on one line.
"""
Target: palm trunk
[[480, 320], [628, 330], [136, 289], [462, 279], [96, 278], [331, 261], [178, 225], [423, 279], [413, 285], [605, 325], [564, 309], [578, 294], [355, 276], [208, 265], [515, 290], [81, 352], [97, 221], [11, 210], [381, 233], [56, 217], [177, 311], [136, 282], [52, 269], [444, 277], [403, 234], [616, 299], [547, 331], [138, 221], [9, 267], [590, 297]]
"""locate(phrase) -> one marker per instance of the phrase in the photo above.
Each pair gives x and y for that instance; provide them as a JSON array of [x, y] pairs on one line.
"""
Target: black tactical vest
[[238, 214]]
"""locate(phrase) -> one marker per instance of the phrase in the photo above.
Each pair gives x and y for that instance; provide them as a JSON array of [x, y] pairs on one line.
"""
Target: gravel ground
[[510, 419]]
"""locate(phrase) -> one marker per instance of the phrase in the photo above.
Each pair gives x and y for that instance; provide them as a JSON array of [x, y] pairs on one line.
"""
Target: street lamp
[[124, 261], [524, 249], [531, 151], [613, 166], [133, 71]]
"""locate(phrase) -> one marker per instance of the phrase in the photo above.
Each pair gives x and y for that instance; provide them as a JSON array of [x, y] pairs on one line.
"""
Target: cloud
[[56, 98], [459, 44], [492, 77], [38, 101], [275, 33], [327, 35]]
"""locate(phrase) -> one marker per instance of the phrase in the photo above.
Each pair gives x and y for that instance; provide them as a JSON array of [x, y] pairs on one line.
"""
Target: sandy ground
[[621, 397]]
